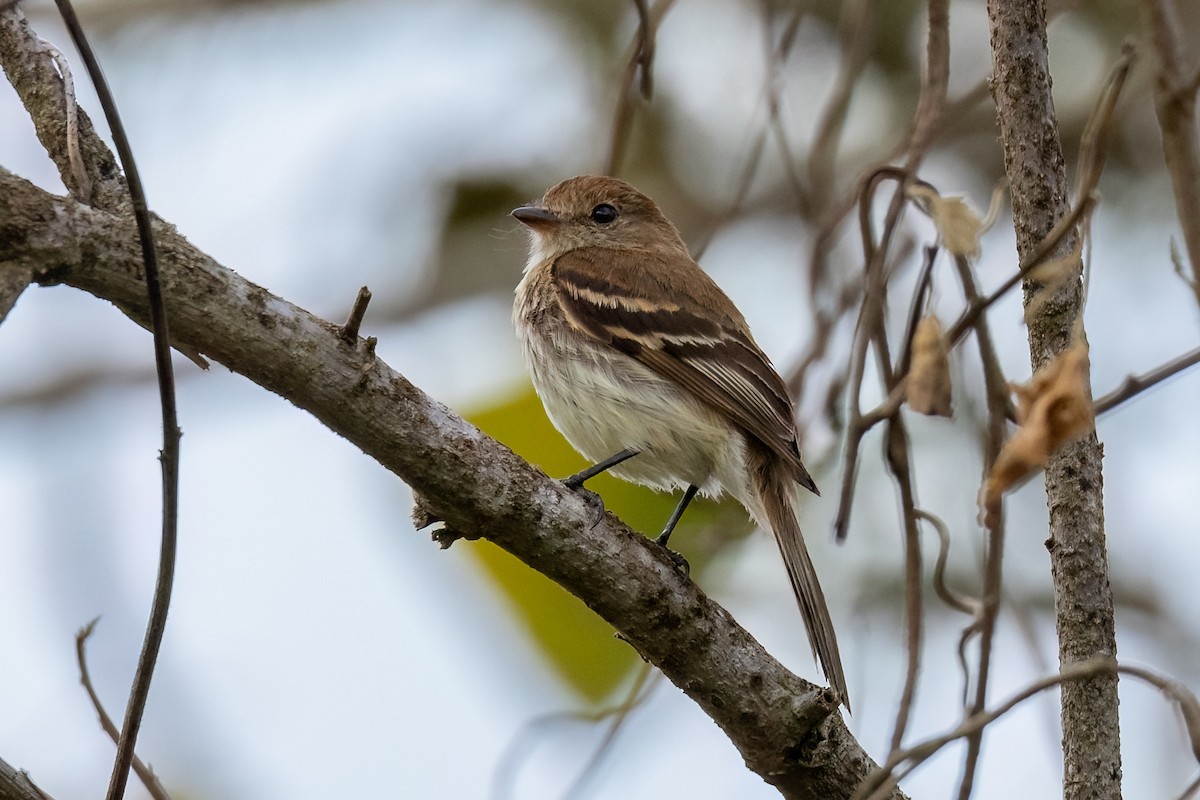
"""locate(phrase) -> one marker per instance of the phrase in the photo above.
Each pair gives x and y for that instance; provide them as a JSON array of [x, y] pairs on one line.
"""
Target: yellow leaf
[[580, 645]]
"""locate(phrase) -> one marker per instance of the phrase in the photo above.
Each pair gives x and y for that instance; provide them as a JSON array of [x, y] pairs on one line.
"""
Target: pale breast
[[604, 401]]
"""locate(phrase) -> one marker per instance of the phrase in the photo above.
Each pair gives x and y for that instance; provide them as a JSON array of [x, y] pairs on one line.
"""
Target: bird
[[650, 371]]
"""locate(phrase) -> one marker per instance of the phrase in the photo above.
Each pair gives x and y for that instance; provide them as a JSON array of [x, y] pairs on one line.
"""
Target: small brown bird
[[649, 369]]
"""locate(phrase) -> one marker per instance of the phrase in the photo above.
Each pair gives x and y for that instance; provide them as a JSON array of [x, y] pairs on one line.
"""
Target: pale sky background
[[317, 646]]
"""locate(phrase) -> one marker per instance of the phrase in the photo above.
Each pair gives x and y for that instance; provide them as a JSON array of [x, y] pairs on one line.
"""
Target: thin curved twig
[[1136, 384], [640, 62], [504, 776], [887, 777], [143, 770], [883, 780], [957, 601], [169, 457]]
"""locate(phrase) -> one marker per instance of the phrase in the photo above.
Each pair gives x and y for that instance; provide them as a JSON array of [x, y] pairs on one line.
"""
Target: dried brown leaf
[[928, 389], [1053, 410]]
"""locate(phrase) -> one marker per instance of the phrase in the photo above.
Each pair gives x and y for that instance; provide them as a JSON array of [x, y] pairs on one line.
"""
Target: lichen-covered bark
[[1034, 162]]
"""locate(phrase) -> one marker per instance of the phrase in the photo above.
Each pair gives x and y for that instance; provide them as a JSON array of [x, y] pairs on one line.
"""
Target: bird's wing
[[688, 332]]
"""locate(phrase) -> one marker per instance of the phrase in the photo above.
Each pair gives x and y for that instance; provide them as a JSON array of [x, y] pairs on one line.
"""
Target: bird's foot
[[677, 559], [595, 502]]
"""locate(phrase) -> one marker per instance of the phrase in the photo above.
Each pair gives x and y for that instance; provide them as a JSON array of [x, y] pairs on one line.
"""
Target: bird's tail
[[778, 504]]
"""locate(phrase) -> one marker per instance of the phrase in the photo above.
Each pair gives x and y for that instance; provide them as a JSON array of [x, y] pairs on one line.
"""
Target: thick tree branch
[[787, 730], [15, 784]]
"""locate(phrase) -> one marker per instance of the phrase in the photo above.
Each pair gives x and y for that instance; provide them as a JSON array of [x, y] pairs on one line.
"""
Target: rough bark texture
[[15, 784], [1074, 482], [31, 71], [787, 730]]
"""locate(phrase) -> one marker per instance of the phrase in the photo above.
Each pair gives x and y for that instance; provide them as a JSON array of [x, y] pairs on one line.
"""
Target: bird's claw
[[594, 501], [677, 559]]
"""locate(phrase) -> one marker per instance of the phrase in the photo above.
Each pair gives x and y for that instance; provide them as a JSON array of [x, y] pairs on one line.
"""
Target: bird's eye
[[604, 214]]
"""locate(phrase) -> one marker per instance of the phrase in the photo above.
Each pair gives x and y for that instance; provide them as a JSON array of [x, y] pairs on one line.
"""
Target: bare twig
[[1175, 100], [916, 309], [869, 330], [900, 464], [504, 777], [645, 682], [1093, 144], [856, 29], [1191, 789], [144, 772], [957, 601], [985, 627], [645, 50], [999, 400], [169, 456], [888, 775], [776, 54], [999, 410], [1136, 384], [349, 331], [640, 62], [1064, 227], [935, 77], [83, 182]]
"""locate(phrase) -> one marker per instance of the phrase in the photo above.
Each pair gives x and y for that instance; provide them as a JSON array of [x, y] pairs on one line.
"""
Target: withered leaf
[[928, 390], [958, 226], [1053, 410]]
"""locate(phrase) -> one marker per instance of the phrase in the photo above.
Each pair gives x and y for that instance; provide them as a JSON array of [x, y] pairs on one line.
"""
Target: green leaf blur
[[581, 646]]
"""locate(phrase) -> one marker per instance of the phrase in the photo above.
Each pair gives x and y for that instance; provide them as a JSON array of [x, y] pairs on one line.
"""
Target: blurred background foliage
[[318, 146], [581, 646]]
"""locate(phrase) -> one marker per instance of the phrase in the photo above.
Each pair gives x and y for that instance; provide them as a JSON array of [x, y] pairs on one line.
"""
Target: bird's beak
[[536, 217]]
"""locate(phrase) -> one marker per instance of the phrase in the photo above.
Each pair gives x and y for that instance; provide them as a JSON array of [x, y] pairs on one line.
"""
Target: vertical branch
[[996, 389], [934, 79], [640, 63], [856, 30], [1175, 100], [899, 462], [1074, 483]]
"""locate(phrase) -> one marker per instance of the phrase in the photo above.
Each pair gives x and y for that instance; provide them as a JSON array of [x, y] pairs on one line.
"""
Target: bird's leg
[[575, 482], [678, 559]]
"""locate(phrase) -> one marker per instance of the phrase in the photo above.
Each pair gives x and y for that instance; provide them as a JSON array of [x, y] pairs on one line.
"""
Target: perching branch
[[787, 729], [15, 784]]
